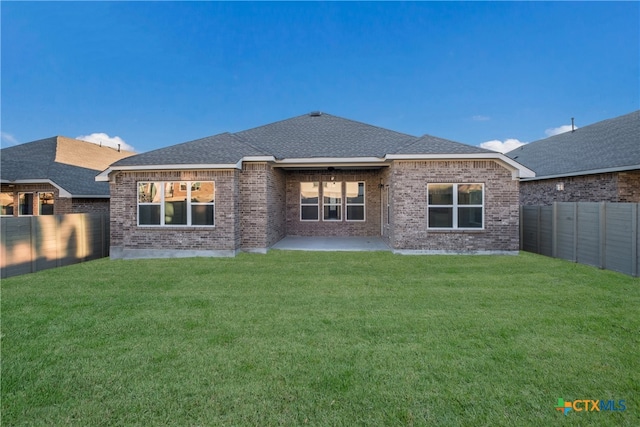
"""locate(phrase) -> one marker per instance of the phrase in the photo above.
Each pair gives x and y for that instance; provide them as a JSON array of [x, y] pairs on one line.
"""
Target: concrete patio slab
[[299, 243]]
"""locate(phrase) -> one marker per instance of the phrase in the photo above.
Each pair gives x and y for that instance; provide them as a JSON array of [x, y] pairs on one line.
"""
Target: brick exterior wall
[[369, 227], [262, 206], [126, 234], [629, 187], [604, 187], [277, 206], [409, 181], [90, 206], [387, 205]]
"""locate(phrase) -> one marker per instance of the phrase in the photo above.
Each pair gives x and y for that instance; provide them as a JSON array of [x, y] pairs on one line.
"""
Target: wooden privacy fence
[[30, 244], [603, 234]]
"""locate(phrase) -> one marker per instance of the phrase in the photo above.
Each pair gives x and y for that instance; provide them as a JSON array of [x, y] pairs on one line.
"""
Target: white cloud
[[8, 139], [480, 118], [106, 140], [502, 146], [558, 130]]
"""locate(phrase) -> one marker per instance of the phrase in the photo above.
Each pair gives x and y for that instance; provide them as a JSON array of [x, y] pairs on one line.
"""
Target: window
[[45, 203], [355, 201], [309, 201], [335, 197], [332, 201], [455, 206], [176, 203], [25, 203], [6, 204]]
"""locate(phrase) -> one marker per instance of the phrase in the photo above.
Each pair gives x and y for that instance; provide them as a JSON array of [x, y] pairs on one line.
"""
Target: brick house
[[313, 175], [595, 163], [55, 176]]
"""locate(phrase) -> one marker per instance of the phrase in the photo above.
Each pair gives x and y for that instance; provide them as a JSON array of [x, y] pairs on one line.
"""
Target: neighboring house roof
[[310, 139], [607, 146], [69, 164]]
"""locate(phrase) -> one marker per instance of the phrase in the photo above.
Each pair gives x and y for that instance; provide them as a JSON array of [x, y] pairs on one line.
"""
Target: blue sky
[[159, 73]]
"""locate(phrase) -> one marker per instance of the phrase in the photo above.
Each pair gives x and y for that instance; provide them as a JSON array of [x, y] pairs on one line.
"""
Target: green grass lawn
[[318, 338]]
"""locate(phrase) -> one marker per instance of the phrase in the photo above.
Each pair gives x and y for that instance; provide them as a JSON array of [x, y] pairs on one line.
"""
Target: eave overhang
[[587, 172], [61, 191], [517, 170], [104, 175]]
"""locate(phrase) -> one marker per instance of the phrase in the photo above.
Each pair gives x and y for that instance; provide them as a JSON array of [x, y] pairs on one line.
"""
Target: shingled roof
[[68, 163], [609, 145], [324, 135], [224, 148], [428, 144], [315, 138]]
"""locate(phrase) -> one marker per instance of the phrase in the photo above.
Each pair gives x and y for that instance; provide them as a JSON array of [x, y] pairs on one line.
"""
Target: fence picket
[[39, 242], [601, 234]]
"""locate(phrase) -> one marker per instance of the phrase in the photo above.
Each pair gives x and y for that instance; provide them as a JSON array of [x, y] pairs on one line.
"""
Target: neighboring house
[[55, 176], [313, 175], [596, 163]]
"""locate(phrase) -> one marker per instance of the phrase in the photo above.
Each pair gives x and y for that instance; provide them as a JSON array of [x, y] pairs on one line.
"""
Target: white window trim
[[317, 205], [40, 204], [162, 206], [363, 204], [13, 200], [455, 207]]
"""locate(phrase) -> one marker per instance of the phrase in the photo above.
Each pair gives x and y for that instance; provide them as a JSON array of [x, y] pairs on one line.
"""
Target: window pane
[[175, 191], [332, 212], [355, 213], [148, 192], [46, 203], [6, 201], [202, 192], [202, 214], [440, 194], [332, 192], [355, 192], [440, 217], [26, 204], [470, 194], [175, 213], [309, 212], [309, 193], [149, 214], [470, 217]]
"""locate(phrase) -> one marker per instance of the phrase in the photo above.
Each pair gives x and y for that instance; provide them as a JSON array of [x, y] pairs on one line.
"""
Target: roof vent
[[315, 114]]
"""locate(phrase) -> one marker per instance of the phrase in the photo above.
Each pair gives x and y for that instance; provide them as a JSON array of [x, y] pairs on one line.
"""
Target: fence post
[[575, 231], [634, 239], [554, 230], [538, 227], [521, 226], [602, 220], [5, 250], [34, 243], [83, 237]]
